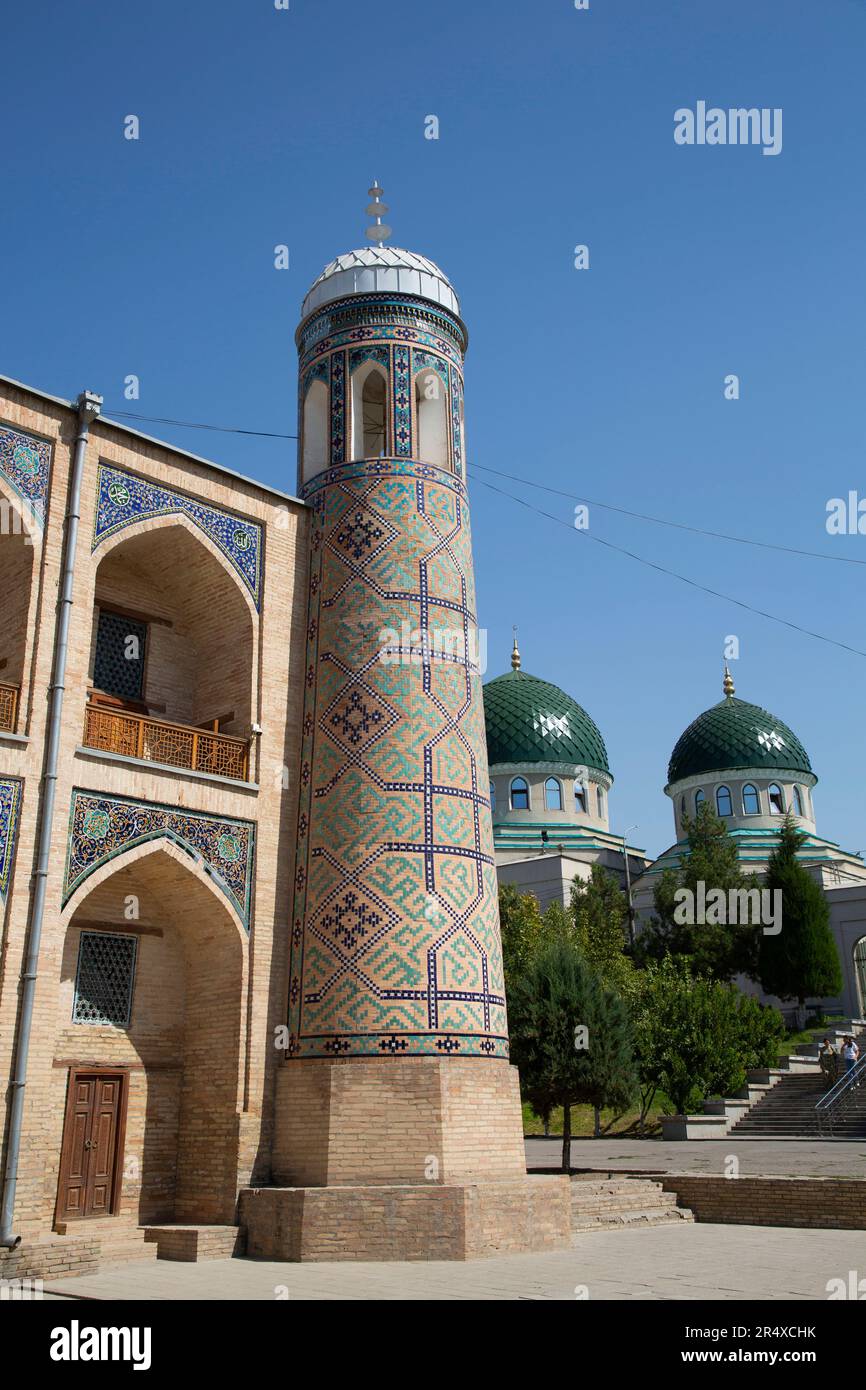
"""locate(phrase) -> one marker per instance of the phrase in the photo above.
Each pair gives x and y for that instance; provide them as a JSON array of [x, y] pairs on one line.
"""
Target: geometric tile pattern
[[123, 498], [735, 734], [102, 827], [395, 941], [25, 463], [104, 978], [418, 328], [10, 815], [531, 721]]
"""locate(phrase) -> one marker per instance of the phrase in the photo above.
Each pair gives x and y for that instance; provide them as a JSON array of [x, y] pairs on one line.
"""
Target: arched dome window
[[777, 800], [369, 412], [724, 804], [751, 800], [682, 808], [600, 798], [519, 794], [798, 801], [431, 407], [699, 800], [492, 798], [580, 800], [315, 430], [552, 795]]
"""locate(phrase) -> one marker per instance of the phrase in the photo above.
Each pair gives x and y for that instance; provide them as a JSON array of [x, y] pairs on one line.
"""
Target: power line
[[529, 482], [673, 574], [660, 521], [192, 425], [607, 506]]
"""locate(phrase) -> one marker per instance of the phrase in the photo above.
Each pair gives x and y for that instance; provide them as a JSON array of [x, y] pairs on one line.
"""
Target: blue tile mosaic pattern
[[25, 463], [123, 498], [102, 827], [10, 816]]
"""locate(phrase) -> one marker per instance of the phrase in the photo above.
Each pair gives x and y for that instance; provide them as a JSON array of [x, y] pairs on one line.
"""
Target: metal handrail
[[835, 1101]]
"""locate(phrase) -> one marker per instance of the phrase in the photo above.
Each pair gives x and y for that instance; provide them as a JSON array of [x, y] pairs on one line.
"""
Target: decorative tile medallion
[[102, 827], [10, 816], [25, 463], [123, 498], [395, 939]]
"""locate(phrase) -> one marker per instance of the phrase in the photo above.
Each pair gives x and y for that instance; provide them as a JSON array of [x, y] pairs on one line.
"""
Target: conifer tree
[[801, 961], [570, 1036]]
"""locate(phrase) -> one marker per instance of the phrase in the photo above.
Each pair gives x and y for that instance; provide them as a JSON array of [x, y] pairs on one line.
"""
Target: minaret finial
[[378, 232], [728, 682], [515, 654]]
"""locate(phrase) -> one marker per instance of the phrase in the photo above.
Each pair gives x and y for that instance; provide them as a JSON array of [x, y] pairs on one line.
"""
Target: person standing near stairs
[[850, 1053], [829, 1060]]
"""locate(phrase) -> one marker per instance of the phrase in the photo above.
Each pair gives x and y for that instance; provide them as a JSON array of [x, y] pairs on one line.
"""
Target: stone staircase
[[118, 1242], [622, 1203], [777, 1102]]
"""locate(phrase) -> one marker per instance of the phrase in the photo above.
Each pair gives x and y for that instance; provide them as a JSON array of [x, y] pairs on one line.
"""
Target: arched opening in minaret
[[315, 431], [431, 409], [369, 412]]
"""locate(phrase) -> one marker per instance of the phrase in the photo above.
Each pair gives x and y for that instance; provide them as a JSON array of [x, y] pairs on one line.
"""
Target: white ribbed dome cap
[[377, 270]]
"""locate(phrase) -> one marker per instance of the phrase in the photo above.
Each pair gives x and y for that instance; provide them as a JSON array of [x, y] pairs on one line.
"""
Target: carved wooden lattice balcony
[[9, 707], [158, 741]]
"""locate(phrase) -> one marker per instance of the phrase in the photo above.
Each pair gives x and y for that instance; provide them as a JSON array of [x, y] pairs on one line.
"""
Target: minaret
[[397, 1072]]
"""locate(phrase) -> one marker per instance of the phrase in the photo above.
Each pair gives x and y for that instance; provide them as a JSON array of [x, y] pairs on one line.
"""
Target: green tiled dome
[[531, 721], [734, 734]]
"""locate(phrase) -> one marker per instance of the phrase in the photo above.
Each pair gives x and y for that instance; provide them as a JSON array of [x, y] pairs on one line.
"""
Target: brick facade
[[197, 1058]]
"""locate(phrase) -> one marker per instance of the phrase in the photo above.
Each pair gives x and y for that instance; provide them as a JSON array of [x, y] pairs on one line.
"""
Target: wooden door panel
[[90, 1146]]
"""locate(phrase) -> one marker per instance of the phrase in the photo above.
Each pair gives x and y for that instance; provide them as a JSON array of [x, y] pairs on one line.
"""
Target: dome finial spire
[[378, 232], [515, 654], [728, 682]]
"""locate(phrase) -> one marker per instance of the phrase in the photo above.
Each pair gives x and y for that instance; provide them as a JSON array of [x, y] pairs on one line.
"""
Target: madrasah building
[[251, 993]]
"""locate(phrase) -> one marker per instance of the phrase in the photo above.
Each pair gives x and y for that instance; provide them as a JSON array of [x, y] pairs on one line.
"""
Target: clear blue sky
[[261, 127]]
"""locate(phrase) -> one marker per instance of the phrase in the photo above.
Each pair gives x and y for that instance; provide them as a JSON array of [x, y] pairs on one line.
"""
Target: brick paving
[[669, 1262]]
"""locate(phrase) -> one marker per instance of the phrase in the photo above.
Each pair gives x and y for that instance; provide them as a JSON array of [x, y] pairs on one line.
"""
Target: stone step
[[636, 1217], [666, 1199], [194, 1243]]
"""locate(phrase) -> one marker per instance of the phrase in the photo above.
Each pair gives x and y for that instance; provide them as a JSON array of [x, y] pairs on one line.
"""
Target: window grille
[[104, 978], [119, 665]]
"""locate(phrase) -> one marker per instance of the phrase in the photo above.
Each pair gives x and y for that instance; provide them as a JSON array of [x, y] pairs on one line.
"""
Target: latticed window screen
[[119, 665], [104, 980]]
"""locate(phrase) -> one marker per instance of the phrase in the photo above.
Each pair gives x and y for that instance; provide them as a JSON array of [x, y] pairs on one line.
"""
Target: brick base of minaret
[[401, 1160]]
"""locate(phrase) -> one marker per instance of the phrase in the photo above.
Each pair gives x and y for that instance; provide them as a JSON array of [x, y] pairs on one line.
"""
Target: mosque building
[[550, 785], [752, 769], [549, 789]]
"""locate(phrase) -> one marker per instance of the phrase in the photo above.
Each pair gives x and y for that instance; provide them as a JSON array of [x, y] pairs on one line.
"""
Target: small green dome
[[531, 721], [734, 734]]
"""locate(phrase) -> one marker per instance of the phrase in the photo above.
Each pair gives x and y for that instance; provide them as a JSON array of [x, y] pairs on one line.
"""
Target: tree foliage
[[801, 961], [571, 1036], [720, 951], [697, 1037], [599, 911]]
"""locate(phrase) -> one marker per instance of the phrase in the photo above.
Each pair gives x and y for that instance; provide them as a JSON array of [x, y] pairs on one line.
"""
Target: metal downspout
[[88, 410]]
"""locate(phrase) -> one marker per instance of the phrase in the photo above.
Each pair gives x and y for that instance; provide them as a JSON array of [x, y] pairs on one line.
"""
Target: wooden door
[[91, 1145]]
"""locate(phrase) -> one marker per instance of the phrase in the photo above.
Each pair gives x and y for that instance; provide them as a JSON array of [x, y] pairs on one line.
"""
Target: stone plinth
[[436, 1222], [416, 1121]]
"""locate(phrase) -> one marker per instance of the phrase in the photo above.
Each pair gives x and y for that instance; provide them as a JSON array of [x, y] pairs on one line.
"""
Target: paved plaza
[[668, 1262], [799, 1158]]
